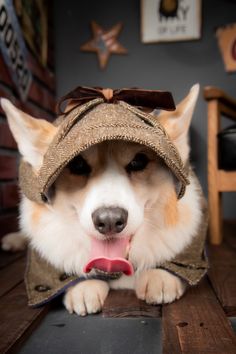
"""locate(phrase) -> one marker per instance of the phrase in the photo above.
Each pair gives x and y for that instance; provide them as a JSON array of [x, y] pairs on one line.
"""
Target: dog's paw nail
[[140, 295], [82, 314]]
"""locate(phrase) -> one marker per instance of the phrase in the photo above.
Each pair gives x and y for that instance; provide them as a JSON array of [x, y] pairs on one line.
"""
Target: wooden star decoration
[[104, 43]]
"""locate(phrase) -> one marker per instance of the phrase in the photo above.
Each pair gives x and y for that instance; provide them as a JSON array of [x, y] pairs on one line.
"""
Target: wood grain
[[223, 269], [214, 93], [12, 275], [218, 104], [228, 111], [197, 324], [124, 303], [7, 258], [226, 180], [17, 318], [214, 196], [230, 233]]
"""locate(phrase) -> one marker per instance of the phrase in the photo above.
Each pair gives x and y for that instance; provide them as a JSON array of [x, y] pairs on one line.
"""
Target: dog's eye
[[79, 166], [139, 163]]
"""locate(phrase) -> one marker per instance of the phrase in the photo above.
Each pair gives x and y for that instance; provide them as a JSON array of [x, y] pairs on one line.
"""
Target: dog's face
[[110, 190], [112, 205]]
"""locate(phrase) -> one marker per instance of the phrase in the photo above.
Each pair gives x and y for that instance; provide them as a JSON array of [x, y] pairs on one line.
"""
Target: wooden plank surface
[[17, 318], [197, 324], [124, 303], [12, 275], [230, 233], [222, 272], [7, 258]]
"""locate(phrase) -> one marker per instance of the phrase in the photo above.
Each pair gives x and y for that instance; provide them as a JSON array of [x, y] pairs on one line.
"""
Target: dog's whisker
[[149, 208]]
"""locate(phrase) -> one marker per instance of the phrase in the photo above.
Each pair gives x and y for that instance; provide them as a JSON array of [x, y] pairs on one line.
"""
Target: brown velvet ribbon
[[145, 99]]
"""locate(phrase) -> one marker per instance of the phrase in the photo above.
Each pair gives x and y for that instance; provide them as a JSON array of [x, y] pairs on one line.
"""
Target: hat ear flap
[[177, 123], [32, 135]]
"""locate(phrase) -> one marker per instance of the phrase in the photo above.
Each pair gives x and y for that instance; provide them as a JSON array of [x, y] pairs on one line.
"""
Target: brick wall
[[41, 104]]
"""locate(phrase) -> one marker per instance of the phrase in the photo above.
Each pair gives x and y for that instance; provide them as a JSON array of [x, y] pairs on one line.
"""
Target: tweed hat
[[102, 115]]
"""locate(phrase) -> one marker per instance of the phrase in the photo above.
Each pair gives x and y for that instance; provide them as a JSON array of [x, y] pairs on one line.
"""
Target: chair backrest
[[219, 104]]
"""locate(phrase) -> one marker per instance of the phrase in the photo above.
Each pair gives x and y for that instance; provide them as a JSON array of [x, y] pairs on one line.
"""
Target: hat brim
[[105, 122], [95, 136]]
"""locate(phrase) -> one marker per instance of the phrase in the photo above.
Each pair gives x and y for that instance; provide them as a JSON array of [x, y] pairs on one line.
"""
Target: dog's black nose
[[110, 220]]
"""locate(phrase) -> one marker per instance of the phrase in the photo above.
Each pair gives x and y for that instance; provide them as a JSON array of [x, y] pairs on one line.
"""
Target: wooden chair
[[219, 180]]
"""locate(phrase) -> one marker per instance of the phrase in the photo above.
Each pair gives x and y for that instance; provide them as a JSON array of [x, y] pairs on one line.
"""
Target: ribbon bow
[[145, 99]]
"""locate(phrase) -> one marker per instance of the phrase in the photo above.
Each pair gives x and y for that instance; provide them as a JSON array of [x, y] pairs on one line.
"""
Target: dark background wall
[[168, 66]]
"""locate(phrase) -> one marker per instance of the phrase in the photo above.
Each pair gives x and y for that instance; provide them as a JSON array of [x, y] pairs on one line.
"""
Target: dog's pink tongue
[[109, 256]]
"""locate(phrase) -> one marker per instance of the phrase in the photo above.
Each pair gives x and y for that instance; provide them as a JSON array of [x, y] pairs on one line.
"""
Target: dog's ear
[[31, 134], [177, 123]]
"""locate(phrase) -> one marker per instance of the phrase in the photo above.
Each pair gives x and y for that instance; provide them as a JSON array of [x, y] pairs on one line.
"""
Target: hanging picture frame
[[227, 43], [13, 49], [33, 18], [170, 20]]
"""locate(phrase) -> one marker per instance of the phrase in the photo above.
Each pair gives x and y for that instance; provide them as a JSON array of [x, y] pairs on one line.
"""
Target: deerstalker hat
[[101, 115]]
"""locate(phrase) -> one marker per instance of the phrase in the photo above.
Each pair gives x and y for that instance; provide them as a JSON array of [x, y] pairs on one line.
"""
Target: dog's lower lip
[[110, 266], [111, 275]]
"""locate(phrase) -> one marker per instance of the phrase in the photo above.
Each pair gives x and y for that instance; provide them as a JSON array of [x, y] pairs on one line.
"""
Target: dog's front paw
[[86, 297], [157, 286]]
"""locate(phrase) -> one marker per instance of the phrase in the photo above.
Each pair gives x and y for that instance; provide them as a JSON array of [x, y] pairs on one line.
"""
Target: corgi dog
[[115, 199]]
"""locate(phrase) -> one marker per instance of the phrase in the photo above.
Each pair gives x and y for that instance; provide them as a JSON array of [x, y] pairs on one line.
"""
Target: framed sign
[[33, 18], [13, 48], [170, 20], [227, 43]]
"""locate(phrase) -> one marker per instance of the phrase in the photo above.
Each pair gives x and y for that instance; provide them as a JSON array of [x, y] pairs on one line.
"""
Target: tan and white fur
[[159, 225]]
